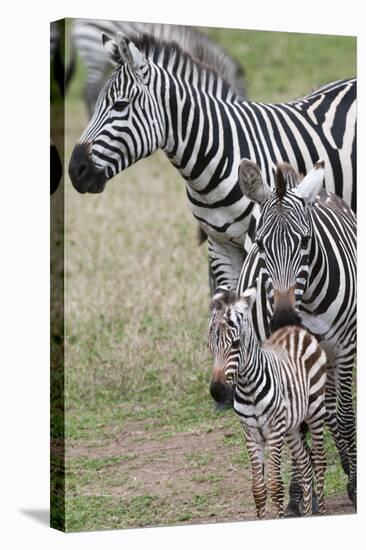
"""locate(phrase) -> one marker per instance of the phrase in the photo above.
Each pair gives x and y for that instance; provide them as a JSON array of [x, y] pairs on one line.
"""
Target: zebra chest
[[255, 414]]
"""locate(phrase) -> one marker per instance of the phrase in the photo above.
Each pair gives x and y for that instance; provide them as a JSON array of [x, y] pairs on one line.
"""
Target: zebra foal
[[277, 386], [303, 256]]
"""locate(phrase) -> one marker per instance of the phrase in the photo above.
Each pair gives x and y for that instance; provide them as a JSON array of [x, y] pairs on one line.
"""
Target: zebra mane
[[286, 178], [161, 52]]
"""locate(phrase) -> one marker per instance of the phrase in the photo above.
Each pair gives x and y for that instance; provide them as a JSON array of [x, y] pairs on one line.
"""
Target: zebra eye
[[260, 245], [305, 242], [120, 105], [236, 343]]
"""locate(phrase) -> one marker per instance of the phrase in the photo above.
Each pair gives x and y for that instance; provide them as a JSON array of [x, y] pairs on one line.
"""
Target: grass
[[144, 443]]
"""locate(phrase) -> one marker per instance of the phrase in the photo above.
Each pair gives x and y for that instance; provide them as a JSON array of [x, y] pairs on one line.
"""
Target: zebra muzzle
[[284, 313], [84, 175], [220, 390]]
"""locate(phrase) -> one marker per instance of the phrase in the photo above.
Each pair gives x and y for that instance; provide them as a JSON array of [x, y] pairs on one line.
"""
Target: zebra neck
[[251, 356], [203, 141]]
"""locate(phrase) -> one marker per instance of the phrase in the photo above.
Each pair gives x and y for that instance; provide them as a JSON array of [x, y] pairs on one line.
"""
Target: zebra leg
[[319, 461], [211, 280], [347, 424], [275, 483], [294, 506], [256, 456], [225, 260], [302, 457], [331, 417]]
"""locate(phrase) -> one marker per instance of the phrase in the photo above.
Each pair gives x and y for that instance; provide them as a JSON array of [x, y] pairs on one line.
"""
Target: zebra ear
[[112, 50], [138, 59], [220, 298], [122, 50], [129, 52], [251, 182], [249, 296], [312, 183]]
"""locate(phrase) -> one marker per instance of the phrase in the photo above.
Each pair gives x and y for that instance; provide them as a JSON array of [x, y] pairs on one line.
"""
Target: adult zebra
[[304, 259], [160, 97], [86, 39]]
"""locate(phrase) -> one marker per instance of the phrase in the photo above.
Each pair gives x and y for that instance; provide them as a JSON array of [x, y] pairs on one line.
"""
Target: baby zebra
[[277, 386]]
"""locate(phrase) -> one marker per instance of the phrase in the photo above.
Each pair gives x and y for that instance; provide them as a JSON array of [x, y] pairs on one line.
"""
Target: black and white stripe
[[278, 386], [86, 38], [303, 258], [160, 97]]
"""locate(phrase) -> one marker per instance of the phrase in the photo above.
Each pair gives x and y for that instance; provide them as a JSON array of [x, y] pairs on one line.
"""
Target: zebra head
[[284, 233], [127, 123], [227, 325]]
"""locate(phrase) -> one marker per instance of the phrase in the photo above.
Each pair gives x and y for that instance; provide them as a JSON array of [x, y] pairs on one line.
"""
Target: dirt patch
[[195, 476]]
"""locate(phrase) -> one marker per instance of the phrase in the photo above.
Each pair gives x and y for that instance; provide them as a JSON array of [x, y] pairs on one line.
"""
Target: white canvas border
[[25, 282]]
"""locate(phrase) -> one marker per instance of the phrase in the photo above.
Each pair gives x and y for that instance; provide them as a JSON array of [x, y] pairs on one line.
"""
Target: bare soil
[[179, 469]]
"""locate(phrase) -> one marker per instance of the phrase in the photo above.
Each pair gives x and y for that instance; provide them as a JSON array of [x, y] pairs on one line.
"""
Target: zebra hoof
[[314, 505], [352, 494], [292, 510]]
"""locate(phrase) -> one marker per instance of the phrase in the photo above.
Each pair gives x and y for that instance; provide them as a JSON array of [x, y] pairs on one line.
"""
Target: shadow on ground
[[42, 516]]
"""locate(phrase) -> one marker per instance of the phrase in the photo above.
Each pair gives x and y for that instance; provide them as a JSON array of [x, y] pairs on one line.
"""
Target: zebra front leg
[[225, 263], [331, 417], [211, 280], [301, 455], [319, 462], [347, 424], [293, 508], [275, 483], [256, 456]]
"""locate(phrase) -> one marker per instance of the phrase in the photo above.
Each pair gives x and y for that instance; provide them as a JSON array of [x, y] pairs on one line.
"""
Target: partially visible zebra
[[303, 257], [278, 386], [57, 74], [86, 38], [55, 168], [159, 97], [60, 75]]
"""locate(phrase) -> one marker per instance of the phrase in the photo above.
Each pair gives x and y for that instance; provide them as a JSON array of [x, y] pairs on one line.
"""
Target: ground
[[144, 443], [146, 478]]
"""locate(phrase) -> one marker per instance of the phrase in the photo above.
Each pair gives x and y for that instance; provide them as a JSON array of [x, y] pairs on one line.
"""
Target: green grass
[[137, 366], [280, 66]]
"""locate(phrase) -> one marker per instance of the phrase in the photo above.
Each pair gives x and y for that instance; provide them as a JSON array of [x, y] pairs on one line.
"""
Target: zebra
[[57, 57], [161, 98], [278, 385], [86, 39], [55, 168], [303, 257]]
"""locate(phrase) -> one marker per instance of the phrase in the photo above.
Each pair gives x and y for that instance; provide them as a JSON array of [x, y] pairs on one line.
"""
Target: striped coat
[[161, 98], [278, 386]]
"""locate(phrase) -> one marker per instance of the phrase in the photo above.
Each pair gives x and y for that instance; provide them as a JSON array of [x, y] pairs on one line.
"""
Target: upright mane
[[161, 52], [286, 177]]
